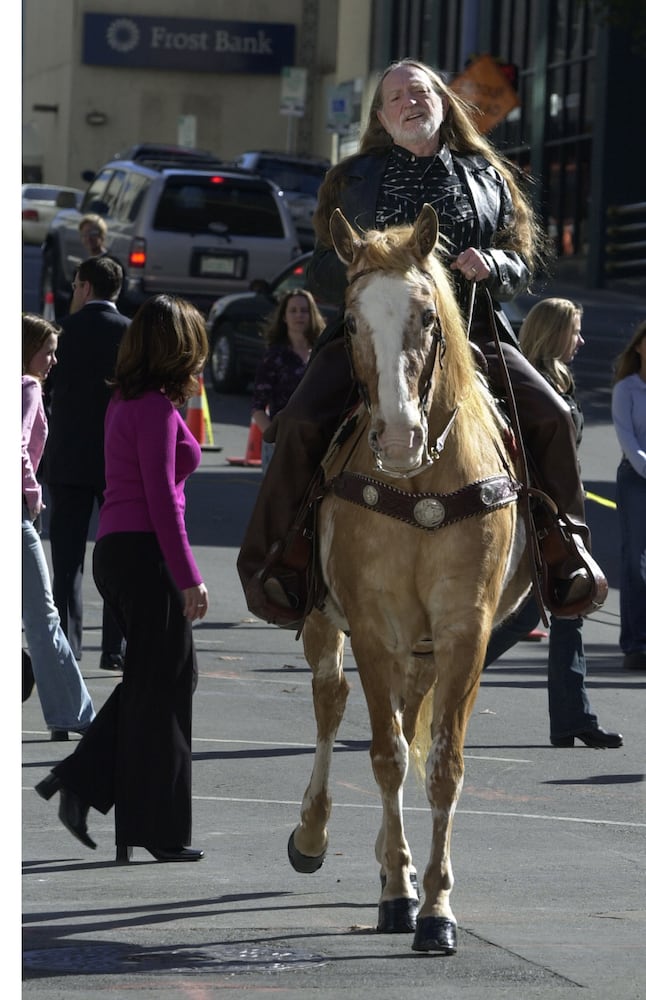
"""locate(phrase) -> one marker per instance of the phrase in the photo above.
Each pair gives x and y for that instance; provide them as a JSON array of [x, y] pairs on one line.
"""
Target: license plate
[[217, 265]]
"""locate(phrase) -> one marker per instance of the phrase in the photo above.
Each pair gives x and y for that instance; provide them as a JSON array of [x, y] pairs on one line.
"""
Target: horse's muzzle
[[401, 449]]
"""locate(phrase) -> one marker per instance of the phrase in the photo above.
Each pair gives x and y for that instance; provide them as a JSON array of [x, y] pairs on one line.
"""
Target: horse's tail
[[420, 745]]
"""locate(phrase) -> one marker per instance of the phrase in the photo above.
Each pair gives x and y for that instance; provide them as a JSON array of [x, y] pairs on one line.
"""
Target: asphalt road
[[548, 845]]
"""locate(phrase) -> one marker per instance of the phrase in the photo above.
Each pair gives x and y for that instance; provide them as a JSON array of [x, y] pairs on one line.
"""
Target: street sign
[[484, 84], [293, 91]]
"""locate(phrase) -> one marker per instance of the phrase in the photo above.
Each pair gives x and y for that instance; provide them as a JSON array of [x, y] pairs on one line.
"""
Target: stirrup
[[573, 585], [267, 605]]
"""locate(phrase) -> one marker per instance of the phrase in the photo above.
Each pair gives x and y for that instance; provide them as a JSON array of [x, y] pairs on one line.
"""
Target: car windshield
[[218, 205], [41, 193]]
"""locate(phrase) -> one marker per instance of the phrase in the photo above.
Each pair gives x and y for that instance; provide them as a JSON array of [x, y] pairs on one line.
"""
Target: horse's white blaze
[[385, 306]]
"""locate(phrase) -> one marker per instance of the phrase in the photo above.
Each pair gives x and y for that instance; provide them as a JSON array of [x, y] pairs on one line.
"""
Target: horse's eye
[[350, 324], [428, 317]]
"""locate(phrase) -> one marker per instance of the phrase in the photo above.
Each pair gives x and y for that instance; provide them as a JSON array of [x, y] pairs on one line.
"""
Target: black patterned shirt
[[409, 181]]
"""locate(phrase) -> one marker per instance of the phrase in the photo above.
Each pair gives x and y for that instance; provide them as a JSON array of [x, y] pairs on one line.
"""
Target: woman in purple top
[[136, 756], [290, 335]]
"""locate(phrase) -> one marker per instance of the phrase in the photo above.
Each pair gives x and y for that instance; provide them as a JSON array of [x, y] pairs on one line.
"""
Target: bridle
[[436, 356]]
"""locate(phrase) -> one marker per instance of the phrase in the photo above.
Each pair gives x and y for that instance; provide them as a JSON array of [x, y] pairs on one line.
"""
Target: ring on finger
[[474, 270]]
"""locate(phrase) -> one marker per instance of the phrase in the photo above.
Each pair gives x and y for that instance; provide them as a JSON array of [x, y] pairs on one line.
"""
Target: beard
[[417, 130]]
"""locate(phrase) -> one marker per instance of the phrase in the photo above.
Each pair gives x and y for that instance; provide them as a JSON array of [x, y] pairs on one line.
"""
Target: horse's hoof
[[303, 863], [398, 916], [436, 934]]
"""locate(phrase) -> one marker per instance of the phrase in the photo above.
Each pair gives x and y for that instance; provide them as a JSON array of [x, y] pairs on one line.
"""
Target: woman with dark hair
[[629, 419], [136, 756], [64, 698], [290, 335]]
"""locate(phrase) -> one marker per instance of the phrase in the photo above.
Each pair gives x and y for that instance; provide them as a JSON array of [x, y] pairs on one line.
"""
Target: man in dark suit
[[74, 467]]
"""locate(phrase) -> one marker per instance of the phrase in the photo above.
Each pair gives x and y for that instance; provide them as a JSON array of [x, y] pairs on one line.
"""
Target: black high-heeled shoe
[[72, 811], [124, 854], [596, 737]]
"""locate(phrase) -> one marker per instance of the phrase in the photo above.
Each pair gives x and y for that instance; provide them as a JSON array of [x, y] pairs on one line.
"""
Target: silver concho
[[489, 494], [429, 513], [370, 495]]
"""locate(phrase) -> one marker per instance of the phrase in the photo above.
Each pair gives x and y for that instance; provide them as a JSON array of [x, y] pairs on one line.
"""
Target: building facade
[[297, 75]]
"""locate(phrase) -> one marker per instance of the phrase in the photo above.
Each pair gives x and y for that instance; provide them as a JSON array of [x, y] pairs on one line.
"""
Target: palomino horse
[[416, 573]]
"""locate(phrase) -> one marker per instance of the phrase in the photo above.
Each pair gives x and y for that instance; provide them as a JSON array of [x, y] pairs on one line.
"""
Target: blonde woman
[[550, 337], [64, 698], [629, 419]]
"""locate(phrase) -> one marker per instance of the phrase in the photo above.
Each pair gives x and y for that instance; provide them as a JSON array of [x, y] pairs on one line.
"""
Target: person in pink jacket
[[136, 756], [64, 698]]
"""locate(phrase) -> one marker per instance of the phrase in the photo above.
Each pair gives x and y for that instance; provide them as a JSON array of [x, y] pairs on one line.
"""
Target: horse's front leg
[[379, 671], [323, 646], [453, 701]]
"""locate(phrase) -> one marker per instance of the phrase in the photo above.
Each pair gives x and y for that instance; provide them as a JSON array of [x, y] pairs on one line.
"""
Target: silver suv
[[183, 226]]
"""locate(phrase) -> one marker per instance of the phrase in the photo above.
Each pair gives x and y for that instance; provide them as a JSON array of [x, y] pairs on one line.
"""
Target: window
[[101, 196], [218, 206], [131, 197]]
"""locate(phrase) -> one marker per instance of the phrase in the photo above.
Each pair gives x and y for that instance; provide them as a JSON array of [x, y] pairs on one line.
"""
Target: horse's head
[[397, 292]]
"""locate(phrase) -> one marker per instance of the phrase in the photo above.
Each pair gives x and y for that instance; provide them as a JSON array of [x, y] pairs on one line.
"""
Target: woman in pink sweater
[[136, 756], [64, 698]]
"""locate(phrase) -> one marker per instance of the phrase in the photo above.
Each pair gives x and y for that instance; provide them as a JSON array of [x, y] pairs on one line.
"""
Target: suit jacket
[[77, 395]]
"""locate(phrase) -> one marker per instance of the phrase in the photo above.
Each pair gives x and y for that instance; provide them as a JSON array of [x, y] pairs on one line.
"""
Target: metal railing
[[625, 254]]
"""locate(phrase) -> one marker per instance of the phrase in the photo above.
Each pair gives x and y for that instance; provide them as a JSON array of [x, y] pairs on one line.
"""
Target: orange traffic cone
[[253, 454], [49, 312], [195, 415]]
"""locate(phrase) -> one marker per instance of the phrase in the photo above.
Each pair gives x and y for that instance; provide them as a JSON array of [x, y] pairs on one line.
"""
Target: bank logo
[[123, 35]]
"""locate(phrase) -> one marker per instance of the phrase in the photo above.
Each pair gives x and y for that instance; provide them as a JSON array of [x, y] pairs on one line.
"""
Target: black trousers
[[69, 524], [136, 755]]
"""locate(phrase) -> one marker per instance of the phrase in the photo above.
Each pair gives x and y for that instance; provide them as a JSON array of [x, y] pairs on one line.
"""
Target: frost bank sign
[[187, 44]]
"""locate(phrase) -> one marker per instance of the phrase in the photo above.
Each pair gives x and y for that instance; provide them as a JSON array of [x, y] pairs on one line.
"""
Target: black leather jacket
[[491, 201]]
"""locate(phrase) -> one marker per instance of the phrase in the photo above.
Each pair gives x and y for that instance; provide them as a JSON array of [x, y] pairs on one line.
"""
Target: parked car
[[298, 176], [40, 203], [180, 224], [235, 324]]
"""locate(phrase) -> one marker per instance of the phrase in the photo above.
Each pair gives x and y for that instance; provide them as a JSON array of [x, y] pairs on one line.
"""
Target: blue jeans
[[64, 698], [569, 706], [267, 451], [631, 508]]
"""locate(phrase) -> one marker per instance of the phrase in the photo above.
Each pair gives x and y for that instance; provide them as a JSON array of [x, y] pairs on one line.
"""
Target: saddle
[[555, 543]]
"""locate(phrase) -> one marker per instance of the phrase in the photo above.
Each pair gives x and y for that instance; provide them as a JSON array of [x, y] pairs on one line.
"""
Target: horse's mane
[[392, 250]]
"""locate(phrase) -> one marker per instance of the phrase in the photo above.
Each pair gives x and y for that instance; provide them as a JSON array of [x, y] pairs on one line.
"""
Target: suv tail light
[[137, 255], [30, 214]]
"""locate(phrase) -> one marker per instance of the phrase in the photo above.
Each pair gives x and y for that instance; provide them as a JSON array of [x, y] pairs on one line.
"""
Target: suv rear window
[[218, 204]]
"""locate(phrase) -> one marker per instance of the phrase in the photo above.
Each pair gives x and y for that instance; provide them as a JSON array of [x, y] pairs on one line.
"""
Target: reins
[[525, 490]]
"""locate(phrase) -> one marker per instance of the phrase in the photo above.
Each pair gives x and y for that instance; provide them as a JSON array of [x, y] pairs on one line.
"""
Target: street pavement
[[548, 845]]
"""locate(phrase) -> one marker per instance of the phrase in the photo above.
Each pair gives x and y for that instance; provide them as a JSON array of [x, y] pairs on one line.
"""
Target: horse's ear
[[426, 231], [346, 241]]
